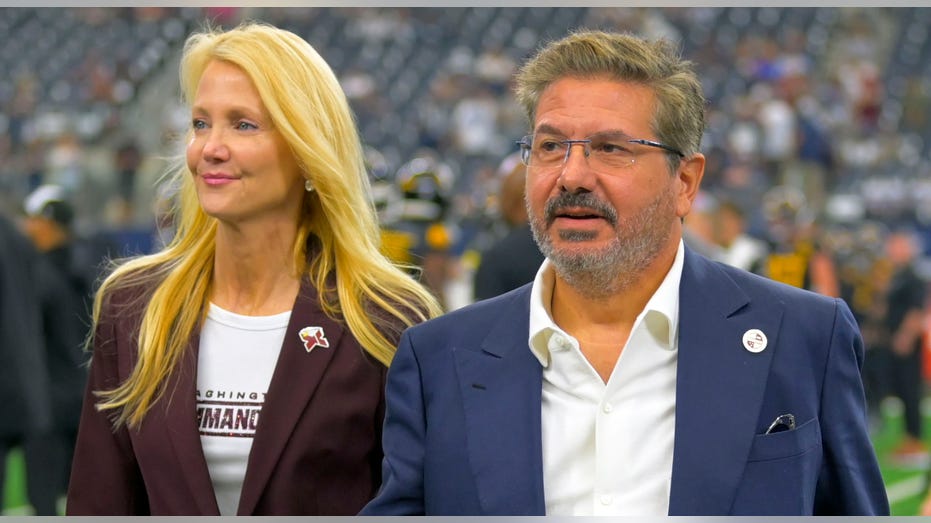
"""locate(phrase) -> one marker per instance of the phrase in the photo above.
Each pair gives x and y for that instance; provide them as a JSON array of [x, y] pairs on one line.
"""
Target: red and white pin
[[313, 337], [754, 340]]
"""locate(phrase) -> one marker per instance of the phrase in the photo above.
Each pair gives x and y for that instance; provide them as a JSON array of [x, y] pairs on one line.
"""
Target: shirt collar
[[660, 315]]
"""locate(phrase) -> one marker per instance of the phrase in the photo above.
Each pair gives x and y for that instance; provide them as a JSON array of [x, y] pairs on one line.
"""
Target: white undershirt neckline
[[236, 359]]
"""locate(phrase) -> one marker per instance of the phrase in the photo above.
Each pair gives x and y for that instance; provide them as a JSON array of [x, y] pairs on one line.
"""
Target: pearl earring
[[308, 186]]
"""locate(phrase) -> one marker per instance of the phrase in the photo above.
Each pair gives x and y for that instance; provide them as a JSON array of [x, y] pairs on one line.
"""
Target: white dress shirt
[[607, 447]]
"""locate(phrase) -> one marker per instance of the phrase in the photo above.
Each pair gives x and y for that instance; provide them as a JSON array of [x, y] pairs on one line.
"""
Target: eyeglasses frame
[[526, 143]]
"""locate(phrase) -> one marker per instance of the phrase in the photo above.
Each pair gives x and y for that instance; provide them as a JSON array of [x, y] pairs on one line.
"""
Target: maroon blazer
[[316, 451]]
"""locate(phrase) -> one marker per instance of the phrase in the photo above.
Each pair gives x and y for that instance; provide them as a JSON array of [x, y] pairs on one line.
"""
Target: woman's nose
[[215, 148]]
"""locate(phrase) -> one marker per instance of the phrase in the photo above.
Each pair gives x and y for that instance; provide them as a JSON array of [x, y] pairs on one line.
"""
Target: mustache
[[587, 201]]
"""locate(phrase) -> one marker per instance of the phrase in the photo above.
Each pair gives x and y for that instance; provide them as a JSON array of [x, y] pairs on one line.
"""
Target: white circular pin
[[754, 340]]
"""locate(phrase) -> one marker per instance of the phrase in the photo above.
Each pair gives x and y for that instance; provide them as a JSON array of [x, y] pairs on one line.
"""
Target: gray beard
[[610, 270]]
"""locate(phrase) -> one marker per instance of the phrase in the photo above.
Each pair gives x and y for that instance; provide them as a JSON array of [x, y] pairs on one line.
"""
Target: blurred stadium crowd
[[833, 101], [818, 135]]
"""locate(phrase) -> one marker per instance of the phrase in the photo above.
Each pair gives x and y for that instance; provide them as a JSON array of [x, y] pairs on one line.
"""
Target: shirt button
[[607, 408], [606, 499]]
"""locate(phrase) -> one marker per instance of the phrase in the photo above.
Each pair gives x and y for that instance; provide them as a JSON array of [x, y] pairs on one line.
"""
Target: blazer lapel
[[296, 377], [501, 386], [183, 434], [720, 386]]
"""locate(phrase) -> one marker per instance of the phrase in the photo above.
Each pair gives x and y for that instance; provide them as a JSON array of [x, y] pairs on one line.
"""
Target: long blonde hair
[[310, 110]]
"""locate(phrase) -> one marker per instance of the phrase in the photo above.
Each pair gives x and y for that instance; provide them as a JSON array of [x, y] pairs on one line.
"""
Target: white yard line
[[905, 489]]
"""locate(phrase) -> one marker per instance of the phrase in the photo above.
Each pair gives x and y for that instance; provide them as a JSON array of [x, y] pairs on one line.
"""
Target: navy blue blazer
[[462, 428]]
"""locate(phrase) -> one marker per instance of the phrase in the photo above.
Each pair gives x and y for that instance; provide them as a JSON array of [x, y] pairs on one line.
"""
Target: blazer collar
[[296, 377], [177, 413], [719, 388], [500, 382]]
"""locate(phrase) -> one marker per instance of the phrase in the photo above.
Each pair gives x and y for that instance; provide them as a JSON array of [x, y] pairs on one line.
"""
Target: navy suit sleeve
[[401, 493], [850, 482]]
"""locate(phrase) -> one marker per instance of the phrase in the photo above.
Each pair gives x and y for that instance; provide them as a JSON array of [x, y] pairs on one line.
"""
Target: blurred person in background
[[426, 184], [698, 226], [127, 160], [386, 195], [864, 273], [64, 161], [904, 328], [513, 259], [49, 222], [240, 370], [64, 279], [795, 255], [26, 411], [736, 246]]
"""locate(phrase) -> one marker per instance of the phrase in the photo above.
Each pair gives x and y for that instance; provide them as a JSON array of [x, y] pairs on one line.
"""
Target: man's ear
[[688, 178]]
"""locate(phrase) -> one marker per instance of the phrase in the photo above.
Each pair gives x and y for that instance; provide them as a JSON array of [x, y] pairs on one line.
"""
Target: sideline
[[901, 490]]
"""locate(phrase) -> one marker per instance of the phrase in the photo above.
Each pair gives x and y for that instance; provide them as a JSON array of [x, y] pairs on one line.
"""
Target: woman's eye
[[198, 124], [246, 126]]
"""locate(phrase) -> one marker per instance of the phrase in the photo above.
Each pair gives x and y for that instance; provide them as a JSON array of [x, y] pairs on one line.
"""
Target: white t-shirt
[[236, 361]]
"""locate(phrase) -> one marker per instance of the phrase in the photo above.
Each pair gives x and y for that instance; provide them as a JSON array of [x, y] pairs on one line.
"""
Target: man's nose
[[576, 175]]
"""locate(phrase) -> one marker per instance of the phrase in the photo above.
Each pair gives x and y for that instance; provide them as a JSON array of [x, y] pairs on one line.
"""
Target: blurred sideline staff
[[513, 259], [65, 278], [416, 230], [25, 404], [795, 257]]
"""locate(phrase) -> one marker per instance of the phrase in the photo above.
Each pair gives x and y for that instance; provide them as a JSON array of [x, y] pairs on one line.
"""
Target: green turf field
[[14, 489], [905, 485]]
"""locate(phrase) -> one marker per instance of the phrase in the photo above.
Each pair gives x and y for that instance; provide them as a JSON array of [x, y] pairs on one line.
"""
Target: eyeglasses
[[606, 150]]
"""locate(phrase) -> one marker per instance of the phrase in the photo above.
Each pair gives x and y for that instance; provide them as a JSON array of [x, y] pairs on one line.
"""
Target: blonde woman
[[241, 369]]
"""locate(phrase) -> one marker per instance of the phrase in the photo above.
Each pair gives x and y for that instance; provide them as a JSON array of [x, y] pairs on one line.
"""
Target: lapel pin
[[754, 340], [313, 337]]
